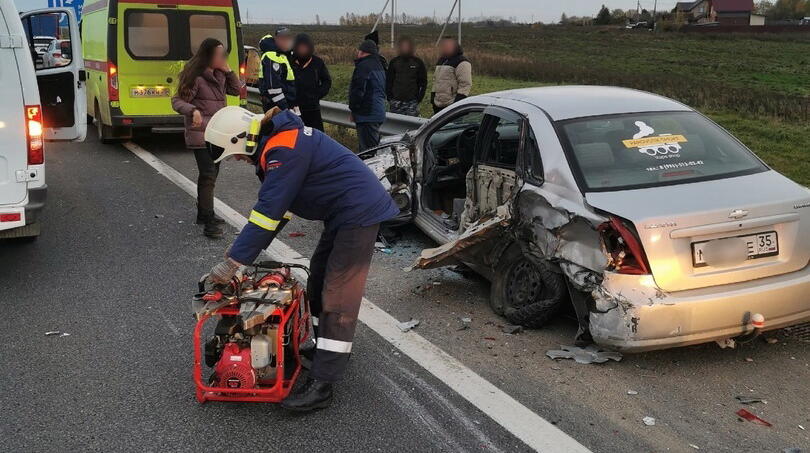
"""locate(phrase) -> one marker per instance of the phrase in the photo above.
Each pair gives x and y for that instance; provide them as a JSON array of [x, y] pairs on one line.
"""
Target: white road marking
[[516, 418]]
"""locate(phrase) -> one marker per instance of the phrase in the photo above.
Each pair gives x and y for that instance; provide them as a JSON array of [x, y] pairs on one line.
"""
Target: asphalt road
[[119, 259]]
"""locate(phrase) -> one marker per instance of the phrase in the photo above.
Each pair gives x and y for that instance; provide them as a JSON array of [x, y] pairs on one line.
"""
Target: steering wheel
[[465, 147]]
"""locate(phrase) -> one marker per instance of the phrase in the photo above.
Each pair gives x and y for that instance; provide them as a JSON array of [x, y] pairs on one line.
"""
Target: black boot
[[313, 395], [202, 220], [213, 230]]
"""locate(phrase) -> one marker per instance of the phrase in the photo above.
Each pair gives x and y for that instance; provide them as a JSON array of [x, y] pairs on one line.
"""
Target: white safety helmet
[[232, 131]]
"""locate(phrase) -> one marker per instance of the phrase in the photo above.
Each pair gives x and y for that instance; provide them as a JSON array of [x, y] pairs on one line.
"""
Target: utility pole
[[447, 21], [379, 16], [393, 20], [655, 12], [459, 22]]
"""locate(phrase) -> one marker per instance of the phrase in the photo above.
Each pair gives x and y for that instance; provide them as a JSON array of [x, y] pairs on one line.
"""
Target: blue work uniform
[[277, 78], [308, 173]]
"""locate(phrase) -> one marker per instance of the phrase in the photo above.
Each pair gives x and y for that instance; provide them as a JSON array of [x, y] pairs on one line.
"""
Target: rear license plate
[[149, 92], [760, 245]]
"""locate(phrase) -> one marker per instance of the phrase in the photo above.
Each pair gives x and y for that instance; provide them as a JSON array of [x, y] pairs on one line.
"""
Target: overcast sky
[[281, 11], [304, 11]]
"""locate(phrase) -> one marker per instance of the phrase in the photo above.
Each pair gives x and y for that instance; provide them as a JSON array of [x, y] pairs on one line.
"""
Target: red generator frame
[[265, 391]]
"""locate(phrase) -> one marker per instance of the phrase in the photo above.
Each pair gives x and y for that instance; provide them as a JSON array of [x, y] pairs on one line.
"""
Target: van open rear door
[[61, 81]]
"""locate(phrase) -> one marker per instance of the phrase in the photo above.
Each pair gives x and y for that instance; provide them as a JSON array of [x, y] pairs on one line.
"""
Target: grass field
[[758, 87]]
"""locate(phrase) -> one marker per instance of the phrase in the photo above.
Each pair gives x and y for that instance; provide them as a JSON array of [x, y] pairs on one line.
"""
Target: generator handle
[[278, 265]]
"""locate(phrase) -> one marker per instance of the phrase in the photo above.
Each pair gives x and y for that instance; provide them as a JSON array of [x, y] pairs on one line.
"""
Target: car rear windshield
[[172, 35], [653, 149]]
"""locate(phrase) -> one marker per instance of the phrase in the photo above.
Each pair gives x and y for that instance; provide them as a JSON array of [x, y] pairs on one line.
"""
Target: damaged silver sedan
[[659, 227]]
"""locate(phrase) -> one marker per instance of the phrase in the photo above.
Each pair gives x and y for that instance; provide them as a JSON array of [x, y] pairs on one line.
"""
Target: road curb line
[[520, 421]]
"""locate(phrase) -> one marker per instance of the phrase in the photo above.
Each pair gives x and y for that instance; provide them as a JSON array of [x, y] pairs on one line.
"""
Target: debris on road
[[749, 399], [649, 421], [772, 340], [407, 326], [56, 333], [588, 354], [422, 289], [793, 450], [297, 234], [801, 428], [694, 446], [752, 418], [632, 392], [726, 343], [512, 329], [465, 323]]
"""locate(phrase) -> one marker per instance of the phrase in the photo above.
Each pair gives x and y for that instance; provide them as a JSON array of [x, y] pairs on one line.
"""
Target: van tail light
[[622, 244], [33, 130], [243, 90], [112, 81]]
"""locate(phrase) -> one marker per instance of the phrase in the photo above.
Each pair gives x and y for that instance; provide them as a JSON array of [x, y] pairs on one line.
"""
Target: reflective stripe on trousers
[[339, 268]]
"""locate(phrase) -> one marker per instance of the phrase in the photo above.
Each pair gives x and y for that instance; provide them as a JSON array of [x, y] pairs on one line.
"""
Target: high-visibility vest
[[280, 59]]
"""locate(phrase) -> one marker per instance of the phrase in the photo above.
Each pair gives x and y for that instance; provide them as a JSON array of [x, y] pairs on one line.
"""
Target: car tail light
[[13, 217], [112, 81], [33, 130], [625, 250]]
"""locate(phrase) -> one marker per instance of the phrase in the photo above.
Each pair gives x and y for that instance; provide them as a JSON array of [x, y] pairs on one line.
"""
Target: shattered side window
[[654, 149]]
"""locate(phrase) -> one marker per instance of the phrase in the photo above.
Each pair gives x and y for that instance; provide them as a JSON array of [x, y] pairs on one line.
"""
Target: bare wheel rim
[[524, 284]]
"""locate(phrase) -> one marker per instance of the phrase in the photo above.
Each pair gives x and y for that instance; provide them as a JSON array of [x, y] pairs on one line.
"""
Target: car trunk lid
[[717, 232]]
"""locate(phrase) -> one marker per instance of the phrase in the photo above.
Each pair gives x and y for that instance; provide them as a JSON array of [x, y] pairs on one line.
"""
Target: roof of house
[[686, 7], [724, 6]]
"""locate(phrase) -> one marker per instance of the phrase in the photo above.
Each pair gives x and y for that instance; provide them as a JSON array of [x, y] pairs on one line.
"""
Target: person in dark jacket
[[203, 84], [306, 172], [277, 79], [312, 81], [367, 95], [406, 79]]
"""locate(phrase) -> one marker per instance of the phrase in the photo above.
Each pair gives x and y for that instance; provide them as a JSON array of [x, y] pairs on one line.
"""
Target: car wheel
[[105, 133], [525, 292]]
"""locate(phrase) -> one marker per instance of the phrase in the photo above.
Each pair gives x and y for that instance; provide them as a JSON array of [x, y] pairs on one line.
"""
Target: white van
[[40, 105]]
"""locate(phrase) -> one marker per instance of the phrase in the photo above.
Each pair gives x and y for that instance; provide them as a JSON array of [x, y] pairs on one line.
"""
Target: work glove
[[460, 97], [433, 98], [222, 273]]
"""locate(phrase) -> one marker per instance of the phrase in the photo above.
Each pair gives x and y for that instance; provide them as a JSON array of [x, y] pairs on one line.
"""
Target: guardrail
[[338, 114]]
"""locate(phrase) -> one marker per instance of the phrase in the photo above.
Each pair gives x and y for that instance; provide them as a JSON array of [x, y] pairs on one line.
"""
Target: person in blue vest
[[367, 95], [307, 173], [277, 79]]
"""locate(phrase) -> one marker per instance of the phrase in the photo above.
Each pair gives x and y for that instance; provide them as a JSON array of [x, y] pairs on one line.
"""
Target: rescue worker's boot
[[313, 395], [213, 230], [202, 220]]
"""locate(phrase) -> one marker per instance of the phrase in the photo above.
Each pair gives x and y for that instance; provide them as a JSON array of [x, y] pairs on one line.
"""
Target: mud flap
[[469, 245]]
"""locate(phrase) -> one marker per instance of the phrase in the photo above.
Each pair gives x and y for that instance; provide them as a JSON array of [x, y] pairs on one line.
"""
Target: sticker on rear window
[[661, 146]]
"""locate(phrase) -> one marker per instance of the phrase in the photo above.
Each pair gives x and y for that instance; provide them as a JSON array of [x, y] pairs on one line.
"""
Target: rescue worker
[[277, 78], [309, 174], [452, 80]]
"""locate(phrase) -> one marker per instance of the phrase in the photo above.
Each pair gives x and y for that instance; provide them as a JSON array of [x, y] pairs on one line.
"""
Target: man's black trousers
[[339, 268]]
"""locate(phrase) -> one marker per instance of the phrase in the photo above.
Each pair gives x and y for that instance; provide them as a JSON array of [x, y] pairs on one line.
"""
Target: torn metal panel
[[487, 228], [569, 238]]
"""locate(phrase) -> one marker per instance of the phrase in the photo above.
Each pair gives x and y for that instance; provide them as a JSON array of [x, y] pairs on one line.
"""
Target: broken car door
[[490, 187], [392, 163]]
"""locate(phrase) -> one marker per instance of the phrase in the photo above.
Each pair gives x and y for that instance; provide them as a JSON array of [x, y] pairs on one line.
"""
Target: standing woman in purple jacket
[[203, 84]]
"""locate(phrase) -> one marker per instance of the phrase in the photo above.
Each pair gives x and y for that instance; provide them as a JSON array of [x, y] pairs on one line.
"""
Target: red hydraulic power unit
[[262, 320]]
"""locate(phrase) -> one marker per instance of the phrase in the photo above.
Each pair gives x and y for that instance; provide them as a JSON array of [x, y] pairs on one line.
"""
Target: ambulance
[[134, 51]]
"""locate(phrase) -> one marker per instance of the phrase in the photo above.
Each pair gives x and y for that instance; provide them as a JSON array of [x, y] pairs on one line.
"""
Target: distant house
[[694, 11], [718, 12], [733, 12]]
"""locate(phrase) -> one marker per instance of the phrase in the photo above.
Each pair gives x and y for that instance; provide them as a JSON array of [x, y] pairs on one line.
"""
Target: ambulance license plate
[[760, 245], [149, 92]]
